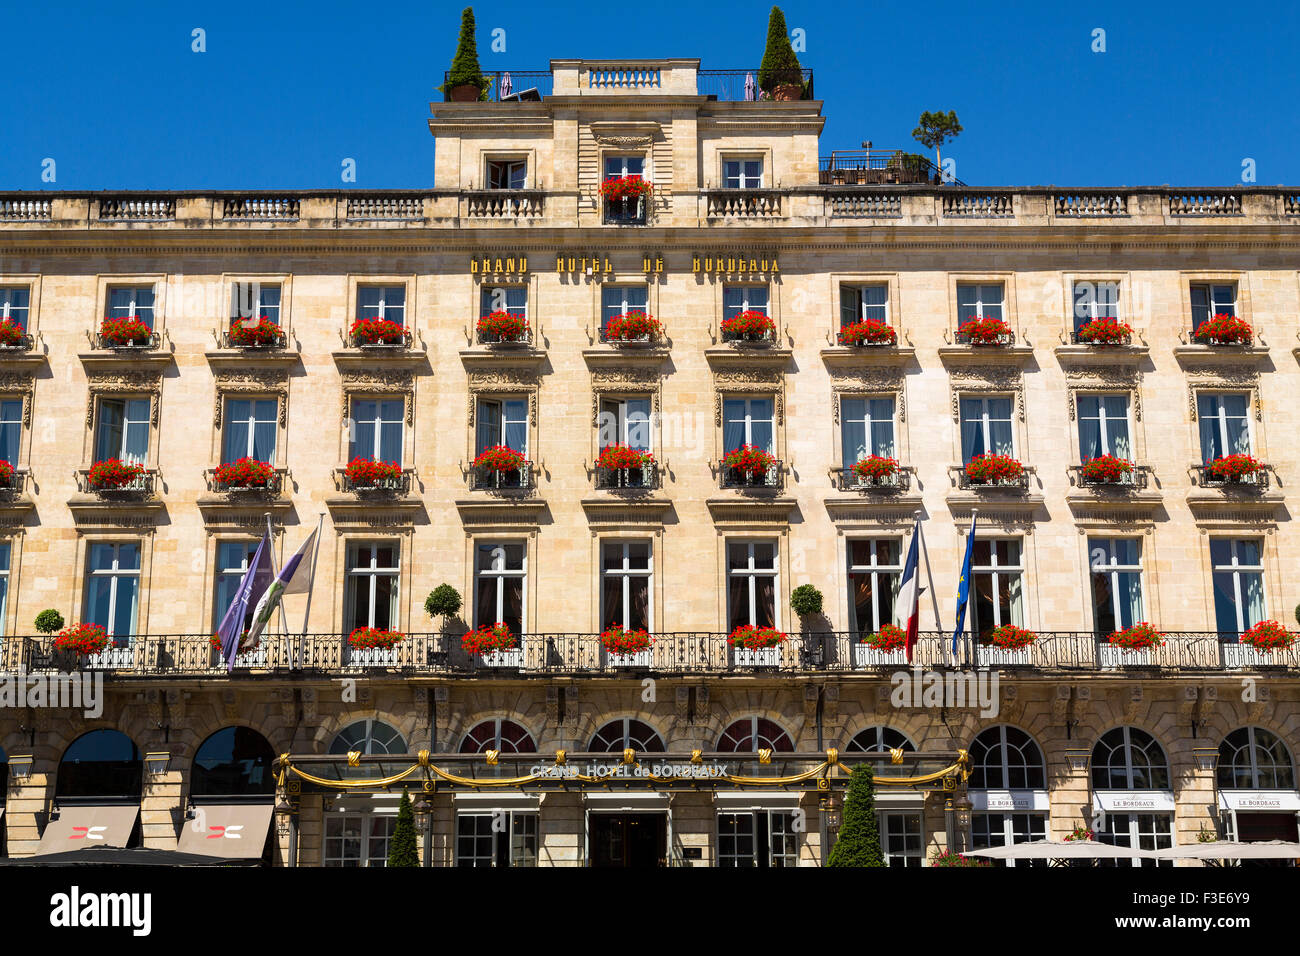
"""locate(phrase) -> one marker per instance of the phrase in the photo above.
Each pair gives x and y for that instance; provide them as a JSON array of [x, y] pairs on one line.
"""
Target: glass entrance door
[[633, 840]]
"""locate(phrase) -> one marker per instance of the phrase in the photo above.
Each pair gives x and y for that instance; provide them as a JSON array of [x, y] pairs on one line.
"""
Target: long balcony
[[697, 653], [875, 167], [626, 77]]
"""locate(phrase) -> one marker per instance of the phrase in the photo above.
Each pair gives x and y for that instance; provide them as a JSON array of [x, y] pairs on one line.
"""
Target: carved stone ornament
[[640, 141], [22, 384], [1123, 378], [504, 380], [252, 382], [1211, 377], [742, 379], [867, 381], [624, 381], [398, 380], [986, 378], [123, 382]]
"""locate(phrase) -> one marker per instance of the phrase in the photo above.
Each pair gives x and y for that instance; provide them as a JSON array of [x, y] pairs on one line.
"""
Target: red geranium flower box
[[7, 474], [1105, 332], [1237, 467], [1137, 637], [1011, 638], [875, 468], [991, 469], [615, 457], [982, 331], [1224, 330], [377, 332], [489, 638], [750, 460], [503, 326], [247, 333], [244, 473], [368, 473], [12, 335], [750, 325], [626, 187], [500, 458], [752, 637], [83, 639], [1106, 470], [631, 327], [113, 473], [125, 333], [868, 332], [622, 640], [1268, 636], [369, 638], [888, 639]]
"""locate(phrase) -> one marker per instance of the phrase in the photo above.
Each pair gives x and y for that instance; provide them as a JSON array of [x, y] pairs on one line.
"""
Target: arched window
[[1129, 759], [879, 740], [234, 761], [754, 733], [102, 763], [1006, 758], [618, 735], [498, 734], [369, 736], [1252, 758]]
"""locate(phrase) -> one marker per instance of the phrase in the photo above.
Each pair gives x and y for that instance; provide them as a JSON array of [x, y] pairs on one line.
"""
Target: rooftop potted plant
[[984, 331], [246, 473], [369, 473], [255, 333], [125, 333], [749, 326], [991, 469], [81, 639], [465, 81], [867, 332], [1234, 468], [503, 327], [779, 75], [1105, 332], [1106, 470], [113, 474], [377, 332], [1224, 329], [632, 327]]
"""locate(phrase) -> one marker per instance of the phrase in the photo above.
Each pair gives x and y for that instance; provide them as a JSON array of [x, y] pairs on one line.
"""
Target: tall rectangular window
[[505, 298], [250, 425], [874, 569], [499, 573], [900, 838], [986, 427], [1210, 299], [113, 588], [618, 300], [15, 305], [370, 597], [747, 421], [742, 174], [232, 562], [866, 428], [979, 302], [11, 429], [135, 301], [4, 584], [625, 568], [1116, 583], [382, 302], [377, 428], [997, 585], [1238, 583], [255, 300], [861, 302], [357, 839], [743, 298], [1004, 829], [503, 421], [764, 839], [1103, 426], [507, 173], [506, 838], [123, 431], [1095, 300], [1224, 420], [751, 583], [617, 167], [625, 421]]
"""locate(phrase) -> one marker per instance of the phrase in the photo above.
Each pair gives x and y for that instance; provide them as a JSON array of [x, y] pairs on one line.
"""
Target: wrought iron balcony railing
[[1254, 481], [998, 341], [511, 86], [681, 652], [771, 477], [1125, 339], [522, 340], [490, 479], [23, 343], [14, 483], [1135, 480], [273, 486], [641, 340], [626, 212], [387, 486], [872, 167], [148, 344], [846, 479], [1020, 483], [741, 85], [142, 486], [276, 344], [389, 343], [627, 479]]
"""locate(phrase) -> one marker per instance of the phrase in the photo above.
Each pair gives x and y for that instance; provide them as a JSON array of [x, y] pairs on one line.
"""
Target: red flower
[[875, 467], [81, 639], [1078, 834], [750, 460], [7, 474], [982, 331], [1268, 636], [1106, 469], [622, 640], [247, 332], [868, 332], [949, 858], [753, 638], [12, 335], [614, 457], [244, 473], [505, 326], [489, 638], [632, 325], [1234, 467], [1106, 332], [1011, 637], [377, 332], [125, 332], [626, 187], [366, 638], [1224, 330], [367, 473], [889, 638], [749, 325], [990, 469], [1137, 637], [500, 458], [113, 473]]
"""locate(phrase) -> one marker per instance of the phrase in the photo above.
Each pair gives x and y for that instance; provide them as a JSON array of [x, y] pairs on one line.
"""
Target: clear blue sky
[[113, 93]]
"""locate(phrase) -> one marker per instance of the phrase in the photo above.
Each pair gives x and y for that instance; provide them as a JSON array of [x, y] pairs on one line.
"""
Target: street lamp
[[423, 825]]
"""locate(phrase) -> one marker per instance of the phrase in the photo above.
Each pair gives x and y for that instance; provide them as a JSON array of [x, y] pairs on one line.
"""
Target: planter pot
[[511, 658], [990, 655], [1111, 656], [373, 656], [756, 657], [639, 659], [256, 658], [465, 93], [111, 658], [1244, 655], [787, 92], [864, 655]]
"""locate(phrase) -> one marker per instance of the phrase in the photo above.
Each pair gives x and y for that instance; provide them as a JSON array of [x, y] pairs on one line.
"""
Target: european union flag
[[963, 586]]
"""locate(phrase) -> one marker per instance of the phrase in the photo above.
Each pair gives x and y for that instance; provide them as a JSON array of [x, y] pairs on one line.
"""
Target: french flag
[[907, 604]]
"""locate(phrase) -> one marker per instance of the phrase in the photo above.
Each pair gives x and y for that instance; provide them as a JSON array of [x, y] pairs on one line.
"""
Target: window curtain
[[390, 436], [639, 613], [485, 611], [1200, 305], [264, 429], [737, 602], [1013, 600], [514, 604], [1252, 597], [1130, 597], [853, 430], [733, 424], [489, 426], [516, 425], [873, 302], [972, 428], [613, 600], [765, 594], [882, 427], [638, 423], [862, 600], [1000, 425], [109, 443], [849, 304], [1115, 408], [1207, 416], [1234, 411], [11, 413]]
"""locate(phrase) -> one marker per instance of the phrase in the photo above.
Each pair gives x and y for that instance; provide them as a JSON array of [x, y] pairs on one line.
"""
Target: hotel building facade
[[693, 752]]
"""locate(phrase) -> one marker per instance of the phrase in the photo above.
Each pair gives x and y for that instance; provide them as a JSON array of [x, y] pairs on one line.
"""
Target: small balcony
[[508, 86], [272, 487], [875, 167], [627, 479], [769, 478], [1018, 485], [377, 488], [16, 342], [241, 342], [1135, 480], [999, 341], [143, 486], [496, 340], [846, 479], [1255, 481], [626, 212], [493, 480], [743, 203], [496, 204], [396, 340]]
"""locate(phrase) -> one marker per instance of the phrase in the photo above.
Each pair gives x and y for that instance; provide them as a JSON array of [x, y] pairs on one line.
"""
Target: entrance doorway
[[636, 840]]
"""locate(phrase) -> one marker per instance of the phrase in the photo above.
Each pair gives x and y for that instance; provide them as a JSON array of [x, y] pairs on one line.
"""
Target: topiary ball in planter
[[806, 600], [49, 621], [443, 600]]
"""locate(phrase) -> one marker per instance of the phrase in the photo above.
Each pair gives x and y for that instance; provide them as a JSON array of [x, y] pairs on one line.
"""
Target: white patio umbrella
[[1231, 850], [506, 85], [1062, 850]]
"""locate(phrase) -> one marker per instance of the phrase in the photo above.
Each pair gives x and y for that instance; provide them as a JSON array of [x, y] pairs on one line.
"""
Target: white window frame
[[1134, 836], [1216, 306], [1112, 568], [501, 293], [888, 821], [1008, 834], [365, 859], [745, 305], [743, 181], [768, 853], [750, 418], [623, 306], [1220, 418], [367, 576], [860, 288], [16, 423], [985, 419], [496, 745], [868, 422], [508, 164], [260, 308], [379, 421], [1092, 308], [980, 305], [622, 158], [508, 833], [133, 309], [1236, 569], [620, 425], [8, 309], [1102, 420], [752, 572], [6, 566], [497, 578], [627, 573], [500, 401], [997, 572], [114, 574], [220, 573], [369, 739], [879, 572], [382, 306], [252, 421], [147, 422]]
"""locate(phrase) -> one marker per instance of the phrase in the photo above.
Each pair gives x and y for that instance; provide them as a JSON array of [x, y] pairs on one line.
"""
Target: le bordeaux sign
[[738, 263]]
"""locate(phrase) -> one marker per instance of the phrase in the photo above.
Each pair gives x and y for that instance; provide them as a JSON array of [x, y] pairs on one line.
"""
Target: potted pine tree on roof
[[465, 81], [779, 75]]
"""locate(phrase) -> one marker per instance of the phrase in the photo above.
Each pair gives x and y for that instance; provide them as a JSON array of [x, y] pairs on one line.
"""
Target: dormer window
[[507, 174], [742, 174]]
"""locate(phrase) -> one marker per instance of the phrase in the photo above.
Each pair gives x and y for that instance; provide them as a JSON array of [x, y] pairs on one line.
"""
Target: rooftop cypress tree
[[465, 70], [401, 848], [780, 66], [858, 843]]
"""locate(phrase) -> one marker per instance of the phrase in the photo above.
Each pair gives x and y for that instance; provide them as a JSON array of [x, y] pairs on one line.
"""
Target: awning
[[900, 799], [1061, 850], [232, 831], [1228, 850], [81, 827], [1009, 800], [727, 800], [1134, 801], [1261, 800], [626, 800]]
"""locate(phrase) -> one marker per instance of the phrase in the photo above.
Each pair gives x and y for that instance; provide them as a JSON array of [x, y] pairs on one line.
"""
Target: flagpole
[[270, 537], [929, 574], [311, 581], [970, 615]]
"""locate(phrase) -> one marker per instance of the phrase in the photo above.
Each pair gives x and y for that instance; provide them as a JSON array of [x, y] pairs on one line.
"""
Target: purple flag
[[256, 580]]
